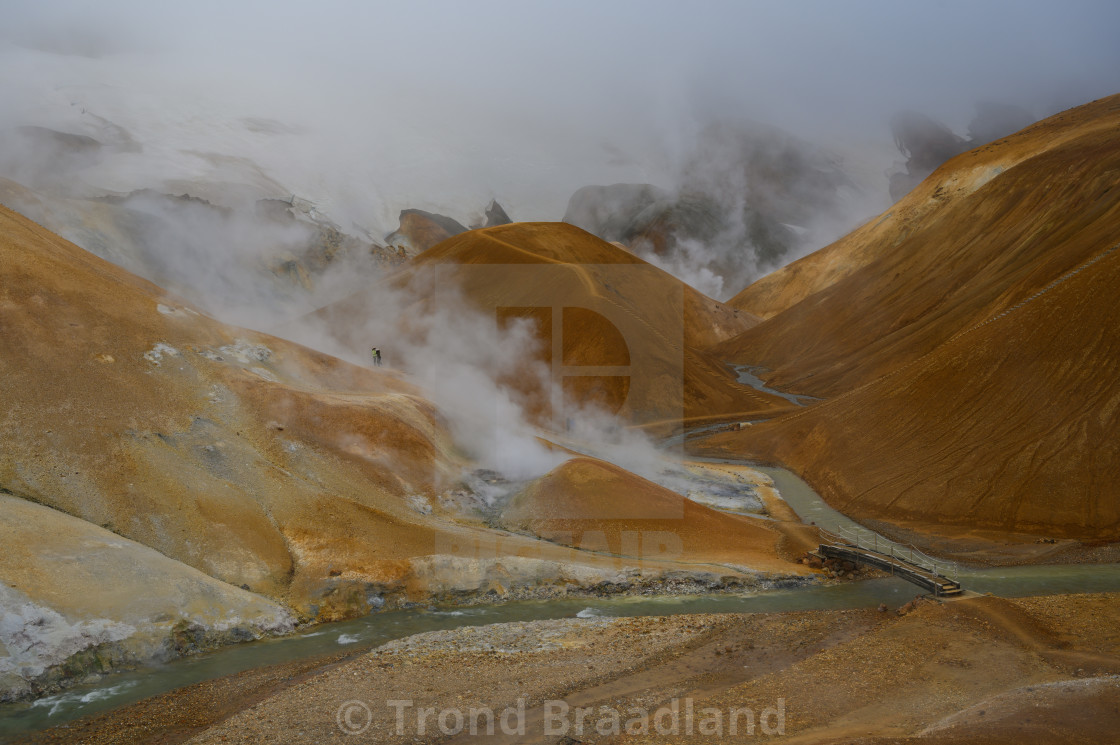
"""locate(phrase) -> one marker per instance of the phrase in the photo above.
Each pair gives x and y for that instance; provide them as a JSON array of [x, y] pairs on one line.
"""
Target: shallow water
[[800, 496], [124, 688], [746, 376]]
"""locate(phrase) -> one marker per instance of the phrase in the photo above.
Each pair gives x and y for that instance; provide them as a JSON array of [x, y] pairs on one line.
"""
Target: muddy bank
[[81, 601], [1007, 671], [77, 601], [46, 654]]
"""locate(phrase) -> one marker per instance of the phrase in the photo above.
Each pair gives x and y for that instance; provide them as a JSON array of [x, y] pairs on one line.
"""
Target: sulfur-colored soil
[[968, 346], [541, 269]]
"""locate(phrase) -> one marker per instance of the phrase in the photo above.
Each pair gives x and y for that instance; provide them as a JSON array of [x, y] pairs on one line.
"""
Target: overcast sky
[[453, 102]]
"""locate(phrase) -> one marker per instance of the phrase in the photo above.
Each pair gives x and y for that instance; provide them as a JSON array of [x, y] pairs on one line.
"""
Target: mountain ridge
[[974, 390]]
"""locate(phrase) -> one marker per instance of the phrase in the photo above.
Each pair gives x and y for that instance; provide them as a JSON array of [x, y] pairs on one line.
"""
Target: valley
[[353, 406]]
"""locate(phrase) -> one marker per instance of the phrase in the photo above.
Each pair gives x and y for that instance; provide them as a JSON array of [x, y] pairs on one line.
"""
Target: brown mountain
[[255, 481], [987, 230], [967, 342], [595, 505], [419, 230], [616, 329], [247, 457]]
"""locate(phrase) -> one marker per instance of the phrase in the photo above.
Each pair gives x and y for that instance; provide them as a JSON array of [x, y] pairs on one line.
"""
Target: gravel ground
[[1032, 670]]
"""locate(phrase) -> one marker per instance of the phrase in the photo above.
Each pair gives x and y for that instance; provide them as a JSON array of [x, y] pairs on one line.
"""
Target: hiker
[[376, 356]]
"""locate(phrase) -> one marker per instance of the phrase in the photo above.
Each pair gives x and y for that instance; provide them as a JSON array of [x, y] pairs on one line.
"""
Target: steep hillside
[[75, 598], [987, 230], [419, 230], [1012, 426], [236, 453], [889, 232], [250, 480], [613, 327], [599, 506], [972, 362]]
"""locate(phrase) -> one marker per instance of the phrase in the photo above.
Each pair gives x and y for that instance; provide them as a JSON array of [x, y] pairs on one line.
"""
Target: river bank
[[981, 669], [57, 633], [787, 501], [103, 658], [122, 690]]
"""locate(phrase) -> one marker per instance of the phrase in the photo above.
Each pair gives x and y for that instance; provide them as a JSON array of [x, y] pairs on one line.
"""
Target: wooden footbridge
[[904, 562]]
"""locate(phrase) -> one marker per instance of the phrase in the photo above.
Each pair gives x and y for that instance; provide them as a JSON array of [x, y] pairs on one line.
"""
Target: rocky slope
[[419, 230], [251, 481], [601, 507], [78, 599], [983, 670], [625, 333], [233, 452], [966, 342]]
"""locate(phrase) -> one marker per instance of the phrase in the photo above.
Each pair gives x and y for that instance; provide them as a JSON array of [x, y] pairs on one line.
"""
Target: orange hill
[[595, 505], [257, 461], [986, 230], [250, 458], [972, 354], [629, 333]]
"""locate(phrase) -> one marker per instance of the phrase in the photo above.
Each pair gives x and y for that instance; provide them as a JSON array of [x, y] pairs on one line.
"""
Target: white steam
[[691, 264], [458, 356], [362, 109]]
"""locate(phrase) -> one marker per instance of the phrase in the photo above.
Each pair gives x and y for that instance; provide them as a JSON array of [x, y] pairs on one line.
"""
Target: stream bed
[[748, 375], [123, 688]]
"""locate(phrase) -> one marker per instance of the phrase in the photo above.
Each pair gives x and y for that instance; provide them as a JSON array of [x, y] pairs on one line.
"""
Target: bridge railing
[[872, 541]]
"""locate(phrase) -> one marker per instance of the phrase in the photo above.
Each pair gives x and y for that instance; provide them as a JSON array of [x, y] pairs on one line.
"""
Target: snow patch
[[420, 504], [262, 373], [38, 637], [740, 501], [241, 351], [156, 354], [246, 352], [167, 310]]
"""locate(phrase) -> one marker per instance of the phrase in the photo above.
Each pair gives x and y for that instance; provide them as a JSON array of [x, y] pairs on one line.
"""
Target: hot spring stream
[[127, 687]]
